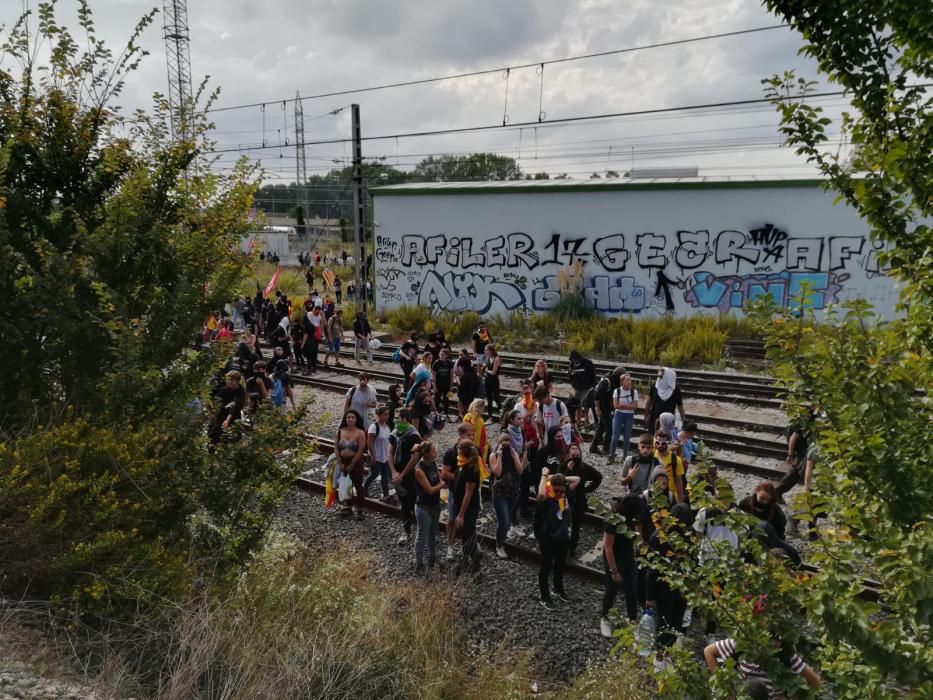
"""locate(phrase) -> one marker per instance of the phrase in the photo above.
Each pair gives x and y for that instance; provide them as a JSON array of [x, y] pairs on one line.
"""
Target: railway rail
[[870, 589]]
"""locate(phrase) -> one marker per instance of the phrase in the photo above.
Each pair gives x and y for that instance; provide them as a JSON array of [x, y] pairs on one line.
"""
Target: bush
[[701, 341], [409, 319]]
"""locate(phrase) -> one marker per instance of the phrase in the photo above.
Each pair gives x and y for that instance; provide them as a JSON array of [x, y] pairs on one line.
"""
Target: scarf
[[666, 383], [528, 402], [566, 432], [484, 336], [517, 437], [462, 461], [401, 427], [549, 494]]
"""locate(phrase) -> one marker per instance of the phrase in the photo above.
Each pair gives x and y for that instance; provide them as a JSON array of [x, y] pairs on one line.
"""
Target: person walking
[[506, 467], [427, 507], [624, 401], [602, 404], [619, 561], [590, 479], [402, 463], [552, 530], [349, 448], [466, 505], [363, 334], [665, 397], [377, 437], [582, 374]]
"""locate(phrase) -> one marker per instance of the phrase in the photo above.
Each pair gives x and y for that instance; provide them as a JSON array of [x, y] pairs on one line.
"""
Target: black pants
[[407, 502], [576, 520], [671, 607], [625, 564], [442, 399], [792, 477], [338, 294], [311, 346], [603, 434], [493, 393], [553, 558], [407, 367], [528, 482]]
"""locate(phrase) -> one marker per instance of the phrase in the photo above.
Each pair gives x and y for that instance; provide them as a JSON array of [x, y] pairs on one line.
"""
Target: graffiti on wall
[[623, 272]]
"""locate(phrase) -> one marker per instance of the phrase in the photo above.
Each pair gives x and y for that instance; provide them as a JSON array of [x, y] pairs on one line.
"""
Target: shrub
[[409, 319], [700, 341]]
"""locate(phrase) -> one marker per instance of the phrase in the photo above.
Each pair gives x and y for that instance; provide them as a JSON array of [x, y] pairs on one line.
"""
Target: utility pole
[[301, 165], [178, 61], [359, 218]]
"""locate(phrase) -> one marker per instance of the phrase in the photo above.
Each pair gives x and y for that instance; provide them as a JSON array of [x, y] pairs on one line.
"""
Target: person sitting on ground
[[762, 503], [637, 468], [665, 397], [582, 374], [590, 479], [552, 531], [752, 673], [542, 375]]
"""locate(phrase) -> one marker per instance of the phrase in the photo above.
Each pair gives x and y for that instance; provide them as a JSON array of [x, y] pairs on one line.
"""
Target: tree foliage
[[474, 166], [869, 376], [115, 241]]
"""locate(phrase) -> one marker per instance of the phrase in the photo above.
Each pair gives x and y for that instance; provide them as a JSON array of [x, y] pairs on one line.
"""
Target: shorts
[[813, 454], [579, 395], [334, 346]]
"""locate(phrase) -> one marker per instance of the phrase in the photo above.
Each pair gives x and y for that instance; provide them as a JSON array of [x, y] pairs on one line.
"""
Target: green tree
[[869, 376], [113, 248], [475, 166]]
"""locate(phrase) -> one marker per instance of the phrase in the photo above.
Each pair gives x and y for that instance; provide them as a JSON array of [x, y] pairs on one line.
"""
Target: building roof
[[594, 185]]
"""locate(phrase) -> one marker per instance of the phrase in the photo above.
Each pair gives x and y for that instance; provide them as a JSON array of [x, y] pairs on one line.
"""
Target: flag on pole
[[328, 276], [274, 281]]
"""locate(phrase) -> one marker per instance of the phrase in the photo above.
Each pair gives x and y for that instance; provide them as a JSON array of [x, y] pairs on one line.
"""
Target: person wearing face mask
[[665, 397], [568, 434], [590, 479], [673, 465], [762, 503]]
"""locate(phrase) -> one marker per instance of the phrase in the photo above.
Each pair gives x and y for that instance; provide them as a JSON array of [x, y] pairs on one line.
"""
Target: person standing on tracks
[[406, 359], [552, 530], [334, 336], [590, 479], [349, 448], [467, 382], [427, 507], [673, 465], [624, 401], [377, 439], [449, 469], [481, 338], [402, 463], [466, 505], [665, 397], [602, 404], [338, 289], [419, 374], [443, 373], [541, 375], [619, 560], [491, 378], [582, 374], [637, 468], [550, 411], [527, 408], [506, 467], [314, 332], [361, 398], [363, 334]]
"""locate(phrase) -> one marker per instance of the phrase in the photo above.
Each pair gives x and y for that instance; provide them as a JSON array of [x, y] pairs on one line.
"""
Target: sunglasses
[[662, 443]]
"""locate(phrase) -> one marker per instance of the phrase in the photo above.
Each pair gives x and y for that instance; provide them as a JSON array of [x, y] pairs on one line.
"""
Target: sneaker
[[501, 553], [450, 553], [562, 597], [546, 603], [403, 538], [605, 627]]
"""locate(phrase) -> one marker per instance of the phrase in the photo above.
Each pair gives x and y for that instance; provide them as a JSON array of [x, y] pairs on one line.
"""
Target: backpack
[[278, 392], [397, 355], [558, 406], [602, 389], [401, 455]]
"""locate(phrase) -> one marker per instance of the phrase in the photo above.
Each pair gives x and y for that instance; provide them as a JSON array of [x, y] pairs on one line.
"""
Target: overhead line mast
[[178, 61]]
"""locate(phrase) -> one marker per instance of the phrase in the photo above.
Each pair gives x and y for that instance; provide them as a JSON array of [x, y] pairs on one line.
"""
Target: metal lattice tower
[[178, 60], [301, 165]]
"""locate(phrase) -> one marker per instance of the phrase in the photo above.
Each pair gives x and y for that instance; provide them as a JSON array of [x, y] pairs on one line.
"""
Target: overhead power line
[[530, 124], [488, 71]]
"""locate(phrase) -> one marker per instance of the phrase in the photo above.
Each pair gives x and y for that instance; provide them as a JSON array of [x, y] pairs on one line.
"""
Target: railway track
[[717, 441], [870, 589]]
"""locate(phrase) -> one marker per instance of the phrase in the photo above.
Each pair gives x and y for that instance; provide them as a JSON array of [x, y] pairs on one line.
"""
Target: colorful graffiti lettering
[[732, 291]]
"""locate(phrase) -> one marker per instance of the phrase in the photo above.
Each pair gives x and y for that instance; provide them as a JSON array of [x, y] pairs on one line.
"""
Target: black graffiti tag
[[772, 239], [610, 252]]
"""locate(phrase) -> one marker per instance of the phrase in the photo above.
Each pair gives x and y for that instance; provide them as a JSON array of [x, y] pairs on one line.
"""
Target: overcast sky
[[266, 51]]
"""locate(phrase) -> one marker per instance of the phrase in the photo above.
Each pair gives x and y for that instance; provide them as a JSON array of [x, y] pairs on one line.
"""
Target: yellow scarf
[[462, 461], [528, 401], [484, 336], [549, 493]]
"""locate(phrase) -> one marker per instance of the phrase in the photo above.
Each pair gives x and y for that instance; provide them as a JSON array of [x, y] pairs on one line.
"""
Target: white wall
[[271, 242], [645, 252]]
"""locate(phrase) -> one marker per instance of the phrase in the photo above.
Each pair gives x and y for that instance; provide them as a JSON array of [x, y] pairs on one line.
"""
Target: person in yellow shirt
[[673, 465]]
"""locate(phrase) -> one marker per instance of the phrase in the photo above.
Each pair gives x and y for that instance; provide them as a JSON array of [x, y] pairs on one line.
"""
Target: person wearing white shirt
[[624, 401]]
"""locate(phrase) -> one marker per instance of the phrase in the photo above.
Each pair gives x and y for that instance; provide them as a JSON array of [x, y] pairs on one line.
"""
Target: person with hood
[[590, 479], [582, 374], [602, 404], [665, 397], [363, 334]]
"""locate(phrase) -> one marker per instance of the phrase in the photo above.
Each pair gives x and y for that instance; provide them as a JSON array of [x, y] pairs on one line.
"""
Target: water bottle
[[688, 618], [644, 633]]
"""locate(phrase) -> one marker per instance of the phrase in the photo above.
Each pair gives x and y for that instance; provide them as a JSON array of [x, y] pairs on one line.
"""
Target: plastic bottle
[[644, 633]]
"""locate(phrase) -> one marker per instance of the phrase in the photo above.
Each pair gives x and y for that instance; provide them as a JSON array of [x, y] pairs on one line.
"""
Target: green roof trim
[[542, 186]]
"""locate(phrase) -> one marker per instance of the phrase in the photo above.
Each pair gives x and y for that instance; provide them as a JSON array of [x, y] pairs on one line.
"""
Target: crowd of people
[[536, 470]]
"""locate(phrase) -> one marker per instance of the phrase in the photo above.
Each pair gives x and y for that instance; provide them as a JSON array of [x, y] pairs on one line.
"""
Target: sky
[[266, 52]]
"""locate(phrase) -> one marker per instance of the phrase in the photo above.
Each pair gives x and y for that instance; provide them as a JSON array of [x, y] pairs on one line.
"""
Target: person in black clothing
[[443, 370], [232, 398], [402, 462], [619, 560], [468, 383], [602, 398], [491, 378], [394, 402], [799, 437], [665, 397], [258, 387], [552, 530], [423, 409], [363, 334], [669, 603], [466, 504], [442, 343], [590, 479], [407, 356], [582, 374], [297, 333], [432, 345]]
